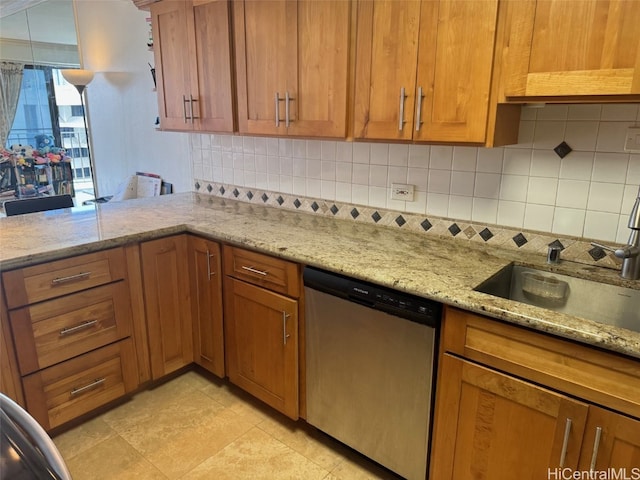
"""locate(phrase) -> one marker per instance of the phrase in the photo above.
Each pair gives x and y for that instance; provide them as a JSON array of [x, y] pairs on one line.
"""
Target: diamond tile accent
[[470, 232], [264, 197], [426, 224], [222, 190], [209, 188], [376, 216], [280, 200], [486, 234], [557, 243], [334, 209], [249, 194], [454, 229], [400, 220], [315, 206], [235, 192], [297, 203], [520, 240], [355, 213], [597, 253], [197, 185]]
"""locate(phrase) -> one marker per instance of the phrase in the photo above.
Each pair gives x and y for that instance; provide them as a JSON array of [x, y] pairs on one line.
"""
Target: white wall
[[121, 103], [588, 194]]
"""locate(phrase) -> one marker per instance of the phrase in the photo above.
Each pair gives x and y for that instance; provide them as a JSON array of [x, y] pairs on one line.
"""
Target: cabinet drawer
[[56, 330], [272, 273], [585, 372], [65, 391], [61, 277]]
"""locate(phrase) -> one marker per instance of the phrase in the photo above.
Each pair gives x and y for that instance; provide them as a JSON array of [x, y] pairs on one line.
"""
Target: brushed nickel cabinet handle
[[210, 272], [184, 108], [96, 383], [401, 121], [565, 442], [277, 99], [596, 447], [70, 278], [287, 117], [254, 270], [191, 102], [419, 109], [285, 335], [77, 328]]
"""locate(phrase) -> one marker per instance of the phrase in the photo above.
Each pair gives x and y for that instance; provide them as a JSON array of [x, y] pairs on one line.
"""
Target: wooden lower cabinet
[[261, 344], [206, 304], [60, 393], [514, 403], [490, 425], [165, 274]]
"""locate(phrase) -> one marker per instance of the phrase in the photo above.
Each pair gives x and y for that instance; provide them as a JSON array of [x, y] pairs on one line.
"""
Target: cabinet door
[[206, 304], [261, 340], [611, 440], [455, 60], [167, 301], [10, 383], [560, 48], [263, 56], [171, 38], [317, 74], [211, 83], [386, 63], [490, 425]]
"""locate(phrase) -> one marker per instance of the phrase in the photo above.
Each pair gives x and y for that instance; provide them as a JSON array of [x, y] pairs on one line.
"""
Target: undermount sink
[[601, 302]]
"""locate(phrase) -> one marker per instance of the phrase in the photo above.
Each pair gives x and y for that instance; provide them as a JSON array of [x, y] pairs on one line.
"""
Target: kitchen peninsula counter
[[441, 269]]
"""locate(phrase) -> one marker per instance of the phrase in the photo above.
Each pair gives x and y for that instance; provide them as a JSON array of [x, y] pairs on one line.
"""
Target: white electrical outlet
[[400, 191], [632, 140]]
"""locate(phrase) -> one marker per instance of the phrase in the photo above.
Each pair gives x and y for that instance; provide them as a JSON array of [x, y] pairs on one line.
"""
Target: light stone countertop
[[437, 268]]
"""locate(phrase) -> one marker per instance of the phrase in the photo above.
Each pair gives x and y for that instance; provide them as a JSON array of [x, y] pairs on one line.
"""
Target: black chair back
[[37, 204]]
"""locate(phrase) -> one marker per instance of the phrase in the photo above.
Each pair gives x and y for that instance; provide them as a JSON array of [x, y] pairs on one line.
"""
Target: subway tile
[[568, 221], [249, 179], [249, 162], [378, 196], [216, 158], [272, 146], [572, 193], [538, 217], [487, 185], [581, 135], [619, 112], [314, 149], [328, 150], [344, 152], [437, 204], [419, 203], [314, 168], [485, 210], [343, 192], [601, 226], [610, 167], [379, 154], [273, 165], [260, 146], [511, 214], [273, 181], [397, 175], [236, 144], [490, 160], [517, 162], [605, 197], [248, 145], [314, 188], [226, 142], [611, 136], [545, 163], [418, 177], [542, 191], [227, 159], [227, 175], [360, 194], [465, 159], [439, 181], [286, 166], [261, 181], [195, 140], [361, 152], [514, 188], [553, 112], [328, 189], [205, 141], [285, 147], [419, 156], [299, 148], [548, 134], [441, 157], [462, 183], [299, 186], [328, 170], [577, 166], [286, 183], [360, 174], [378, 176], [460, 207], [299, 167], [343, 172], [398, 155], [586, 111]]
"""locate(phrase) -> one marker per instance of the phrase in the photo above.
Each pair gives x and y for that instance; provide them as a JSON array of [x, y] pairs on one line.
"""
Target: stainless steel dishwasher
[[370, 354]]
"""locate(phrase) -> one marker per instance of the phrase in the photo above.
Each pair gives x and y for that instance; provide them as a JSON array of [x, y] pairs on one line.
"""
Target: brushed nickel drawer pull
[[565, 442], [77, 328], [596, 447], [96, 383], [419, 109], [70, 278], [253, 270], [401, 121], [210, 272], [285, 315]]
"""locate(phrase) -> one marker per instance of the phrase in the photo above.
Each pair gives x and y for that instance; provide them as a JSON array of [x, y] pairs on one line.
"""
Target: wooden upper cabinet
[[562, 48], [292, 67], [192, 47], [424, 69]]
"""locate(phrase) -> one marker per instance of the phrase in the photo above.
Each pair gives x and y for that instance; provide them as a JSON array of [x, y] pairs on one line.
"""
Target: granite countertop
[[437, 268]]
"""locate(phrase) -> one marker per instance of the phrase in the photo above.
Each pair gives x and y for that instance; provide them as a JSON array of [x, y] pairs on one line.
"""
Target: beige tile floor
[[197, 427]]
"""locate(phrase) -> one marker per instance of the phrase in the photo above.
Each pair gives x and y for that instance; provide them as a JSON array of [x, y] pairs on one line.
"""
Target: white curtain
[[10, 82]]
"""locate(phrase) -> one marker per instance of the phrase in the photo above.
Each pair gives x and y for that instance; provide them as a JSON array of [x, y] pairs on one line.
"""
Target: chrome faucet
[[629, 253]]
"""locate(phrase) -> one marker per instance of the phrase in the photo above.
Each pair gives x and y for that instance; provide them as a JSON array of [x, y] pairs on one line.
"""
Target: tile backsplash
[[587, 194]]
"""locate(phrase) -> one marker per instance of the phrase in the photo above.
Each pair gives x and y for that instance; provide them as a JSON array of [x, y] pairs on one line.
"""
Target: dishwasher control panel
[[405, 305]]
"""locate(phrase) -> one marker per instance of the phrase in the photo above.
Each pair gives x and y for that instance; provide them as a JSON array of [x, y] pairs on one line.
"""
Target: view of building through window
[[50, 106]]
